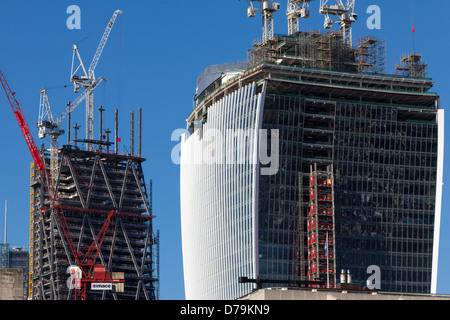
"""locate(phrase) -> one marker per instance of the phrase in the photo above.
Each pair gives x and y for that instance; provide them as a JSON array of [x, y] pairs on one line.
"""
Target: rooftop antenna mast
[[6, 219], [267, 8], [296, 9], [345, 15], [413, 29]]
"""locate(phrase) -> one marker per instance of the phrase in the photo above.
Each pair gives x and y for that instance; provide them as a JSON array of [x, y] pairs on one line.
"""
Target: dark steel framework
[[89, 185]]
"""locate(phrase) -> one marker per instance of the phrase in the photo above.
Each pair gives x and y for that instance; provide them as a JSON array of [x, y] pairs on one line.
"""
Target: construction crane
[[87, 79], [48, 126], [86, 263], [345, 15], [296, 9], [267, 8]]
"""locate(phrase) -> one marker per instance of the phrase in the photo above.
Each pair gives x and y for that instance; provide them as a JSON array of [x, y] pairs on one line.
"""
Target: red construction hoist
[[89, 271], [320, 227]]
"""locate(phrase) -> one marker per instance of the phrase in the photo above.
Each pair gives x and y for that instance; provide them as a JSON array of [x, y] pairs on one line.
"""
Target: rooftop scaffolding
[[371, 55], [412, 66], [315, 49], [312, 49]]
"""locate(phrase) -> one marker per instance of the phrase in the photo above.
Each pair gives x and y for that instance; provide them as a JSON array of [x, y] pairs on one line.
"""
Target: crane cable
[[413, 29]]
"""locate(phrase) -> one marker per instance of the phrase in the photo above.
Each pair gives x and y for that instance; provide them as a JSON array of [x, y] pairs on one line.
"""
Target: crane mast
[[88, 78], [344, 14], [48, 126], [296, 9], [51, 128], [267, 9]]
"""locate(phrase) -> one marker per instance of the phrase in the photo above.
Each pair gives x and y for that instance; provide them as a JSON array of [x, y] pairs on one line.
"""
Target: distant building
[[11, 286], [4, 255], [18, 259], [15, 258]]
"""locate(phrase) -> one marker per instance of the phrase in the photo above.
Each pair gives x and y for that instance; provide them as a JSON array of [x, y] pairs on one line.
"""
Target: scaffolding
[[412, 66], [371, 55], [314, 49]]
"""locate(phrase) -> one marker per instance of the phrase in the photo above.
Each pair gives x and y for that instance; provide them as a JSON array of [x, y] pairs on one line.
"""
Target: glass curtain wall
[[385, 166], [384, 159]]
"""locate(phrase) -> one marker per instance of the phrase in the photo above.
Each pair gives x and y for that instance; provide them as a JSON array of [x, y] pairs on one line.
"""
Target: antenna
[[6, 219]]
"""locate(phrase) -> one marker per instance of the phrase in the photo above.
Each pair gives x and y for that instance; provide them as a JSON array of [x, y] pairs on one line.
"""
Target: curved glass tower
[[309, 159], [219, 203]]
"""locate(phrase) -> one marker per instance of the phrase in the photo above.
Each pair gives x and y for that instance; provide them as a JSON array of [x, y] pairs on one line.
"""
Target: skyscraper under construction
[[90, 184], [91, 230], [354, 179]]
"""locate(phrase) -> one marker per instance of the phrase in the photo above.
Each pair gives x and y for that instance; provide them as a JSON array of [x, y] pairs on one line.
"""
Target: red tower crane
[[90, 272]]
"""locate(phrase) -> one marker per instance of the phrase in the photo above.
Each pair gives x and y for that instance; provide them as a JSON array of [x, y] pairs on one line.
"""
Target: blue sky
[[153, 57]]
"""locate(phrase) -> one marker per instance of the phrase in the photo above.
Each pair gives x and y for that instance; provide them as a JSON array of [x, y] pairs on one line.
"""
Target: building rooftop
[[320, 64], [282, 293]]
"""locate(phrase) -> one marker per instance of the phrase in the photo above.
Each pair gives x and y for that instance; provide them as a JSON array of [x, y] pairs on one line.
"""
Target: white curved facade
[[219, 172]]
